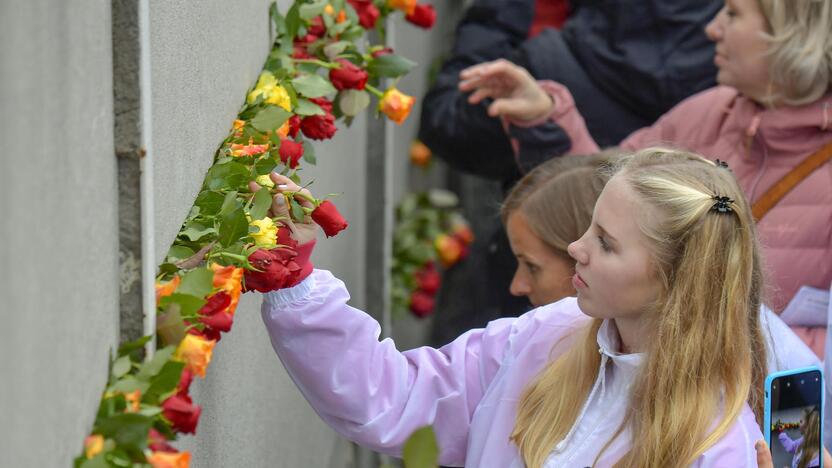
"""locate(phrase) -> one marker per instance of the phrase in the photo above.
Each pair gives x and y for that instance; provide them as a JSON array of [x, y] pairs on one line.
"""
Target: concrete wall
[[58, 225]]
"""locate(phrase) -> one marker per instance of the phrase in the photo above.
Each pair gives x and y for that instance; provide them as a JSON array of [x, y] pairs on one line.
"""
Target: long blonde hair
[[709, 267], [810, 448]]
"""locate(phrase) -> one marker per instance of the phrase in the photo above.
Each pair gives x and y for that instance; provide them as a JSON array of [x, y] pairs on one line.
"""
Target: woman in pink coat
[[659, 361], [772, 110]]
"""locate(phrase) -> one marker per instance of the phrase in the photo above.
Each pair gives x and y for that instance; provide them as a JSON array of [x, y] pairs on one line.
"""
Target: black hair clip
[[722, 204], [722, 164]]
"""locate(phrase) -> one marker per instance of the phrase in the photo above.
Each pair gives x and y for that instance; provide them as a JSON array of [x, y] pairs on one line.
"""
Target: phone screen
[[796, 419]]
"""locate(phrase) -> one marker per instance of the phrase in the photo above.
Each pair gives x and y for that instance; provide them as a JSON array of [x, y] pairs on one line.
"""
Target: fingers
[[285, 184], [483, 74], [763, 455], [827, 458]]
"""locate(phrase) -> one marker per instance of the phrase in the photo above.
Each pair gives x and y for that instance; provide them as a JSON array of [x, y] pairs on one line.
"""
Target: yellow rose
[[272, 92], [93, 445], [267, 235], [195, 352], [265, 181]]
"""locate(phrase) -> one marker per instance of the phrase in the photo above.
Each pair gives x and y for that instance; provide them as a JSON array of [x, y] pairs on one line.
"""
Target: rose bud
[[157, 442], [367, 12], [165, 459], [326, 215], [420, 154], [93, 445], [428, 279], [348, 76], [185, 380], [290, 152], [421, 304], [294, 126], [316, 27], [423, 16], [319, 127], [182, 413], [396, 105]]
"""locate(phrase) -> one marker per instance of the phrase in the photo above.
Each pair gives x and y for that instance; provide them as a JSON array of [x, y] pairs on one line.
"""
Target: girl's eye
[[604, 246], [730, 13], [533, 269]]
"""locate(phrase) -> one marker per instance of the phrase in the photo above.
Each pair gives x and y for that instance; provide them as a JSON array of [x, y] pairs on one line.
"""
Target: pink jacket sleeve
[[367, 390]]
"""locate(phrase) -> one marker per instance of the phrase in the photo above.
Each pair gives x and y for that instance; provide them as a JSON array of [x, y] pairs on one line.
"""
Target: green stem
[[319, 63], [306, 197], [373, 90]]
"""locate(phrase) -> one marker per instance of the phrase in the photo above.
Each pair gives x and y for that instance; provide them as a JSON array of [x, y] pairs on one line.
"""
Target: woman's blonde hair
[[811, 438], [801, 48], [575, 182], [707, 315]]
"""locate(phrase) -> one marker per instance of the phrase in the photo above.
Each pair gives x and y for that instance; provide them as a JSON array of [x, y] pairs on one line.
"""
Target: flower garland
[[315, 74]]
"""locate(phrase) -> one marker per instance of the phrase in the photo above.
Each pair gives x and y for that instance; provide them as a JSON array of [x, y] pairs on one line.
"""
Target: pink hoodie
[[760, 146]]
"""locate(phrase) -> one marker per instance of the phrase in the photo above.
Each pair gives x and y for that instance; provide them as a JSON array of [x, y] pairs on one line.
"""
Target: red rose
[[185, 380], [157, 442], [277, 270], [319, 127], [182, 413], [367, 12], [299, 51], [290, 152], [316, 28], [329, 219], [215, 312], [323, 104], [284, 238], [348, 76], [385, 51], [421, 304], [294, 126], [428, 279], [423, 16]]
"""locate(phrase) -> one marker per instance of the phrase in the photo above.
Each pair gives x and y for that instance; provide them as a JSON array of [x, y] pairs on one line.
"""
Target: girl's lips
[[578, 282]]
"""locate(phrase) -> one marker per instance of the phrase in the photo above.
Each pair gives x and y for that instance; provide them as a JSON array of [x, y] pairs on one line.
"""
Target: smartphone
[[794, 417]]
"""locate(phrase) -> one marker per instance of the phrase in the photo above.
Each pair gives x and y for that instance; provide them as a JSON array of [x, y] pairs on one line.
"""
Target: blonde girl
[[668, 372]]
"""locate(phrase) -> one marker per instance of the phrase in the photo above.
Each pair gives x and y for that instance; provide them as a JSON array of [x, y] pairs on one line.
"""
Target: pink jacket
[[468, 390], [760, 146]]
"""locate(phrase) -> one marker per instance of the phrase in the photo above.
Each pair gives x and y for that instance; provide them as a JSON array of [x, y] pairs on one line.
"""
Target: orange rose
[[396, 105], [166, 289], [420, 154], [93, 445], [462, 232], [449, 249], [407, 6], [238, 127], [195, 352], [229, 279], [133, 399], [169, 459], [248, 150]]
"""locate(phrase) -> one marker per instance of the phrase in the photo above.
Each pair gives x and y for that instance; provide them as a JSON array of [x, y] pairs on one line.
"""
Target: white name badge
[[808, 308]]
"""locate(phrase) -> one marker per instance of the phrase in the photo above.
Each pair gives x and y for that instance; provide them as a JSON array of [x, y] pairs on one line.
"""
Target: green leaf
[[306, 107], [229, 203], [292, 23], [313, 86], [309, 152], [130, 384], [122, 366], [297, 211], [421, 450], [195, 231], [128, 429], [179, 252], [188, 305], [270, 119], [165, 381], [230, 175], [129, 347], [209, 202], [152, 367], [264, 166], [390, 65], [262, 202], [308, 11], [233, 226], [169, 326], [98, 461], [352, 101], [332, 50], [197, 282]]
